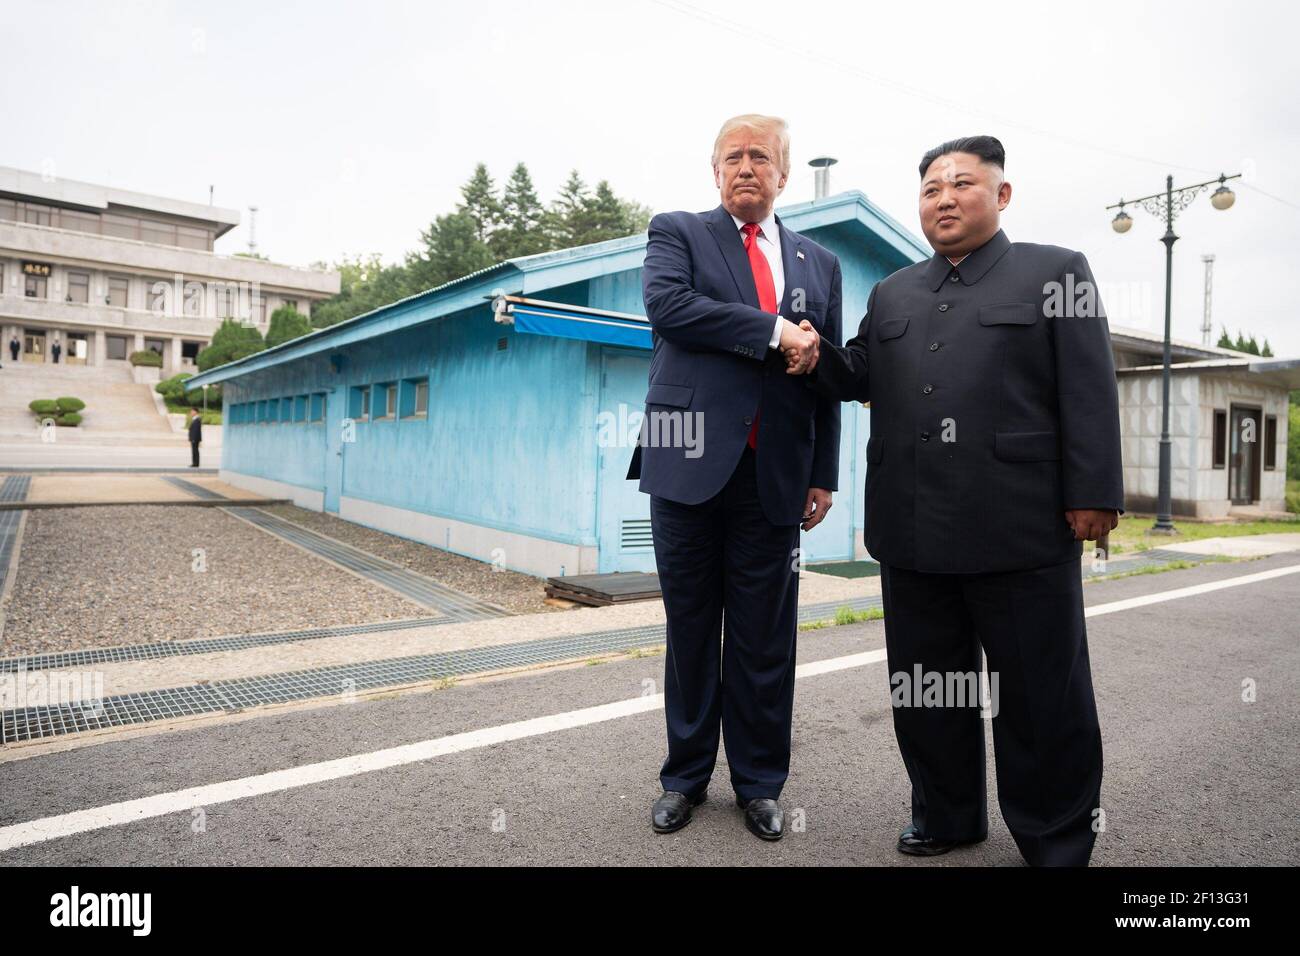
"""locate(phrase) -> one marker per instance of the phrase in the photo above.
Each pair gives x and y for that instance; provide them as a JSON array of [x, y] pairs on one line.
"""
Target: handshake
[[800, 345]]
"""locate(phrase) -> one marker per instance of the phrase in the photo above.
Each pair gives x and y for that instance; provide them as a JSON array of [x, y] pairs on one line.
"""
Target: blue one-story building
[[494, 416]]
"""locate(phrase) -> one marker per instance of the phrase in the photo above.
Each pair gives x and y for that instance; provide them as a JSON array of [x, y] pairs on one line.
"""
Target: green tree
[[1225, 340], [230, 342], [523, 226], [482, 231], [452, 248], [286, 323], [480, 203]]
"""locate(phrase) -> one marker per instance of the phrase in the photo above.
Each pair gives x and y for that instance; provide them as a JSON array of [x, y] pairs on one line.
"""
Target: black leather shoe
[[913, 843], [764, 817], [672, 810]]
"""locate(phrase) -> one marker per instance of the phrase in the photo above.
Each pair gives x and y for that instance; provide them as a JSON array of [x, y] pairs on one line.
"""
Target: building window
[[286, 409], [115, 347], [359, 403], [79, 287], [35, 287], [1270, 442], [258, 310], [318, 407], [36, 215], [291, 304], [1220, 438], [385, 401], [300, 408], [124, 227], [117, 290], [415, 398]]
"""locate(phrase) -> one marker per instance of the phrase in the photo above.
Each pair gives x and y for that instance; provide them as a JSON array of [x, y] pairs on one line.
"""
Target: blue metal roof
[[527, 275]]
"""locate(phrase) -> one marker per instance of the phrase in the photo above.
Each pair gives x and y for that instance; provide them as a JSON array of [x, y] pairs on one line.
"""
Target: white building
[[1227, 425], [105, 272]]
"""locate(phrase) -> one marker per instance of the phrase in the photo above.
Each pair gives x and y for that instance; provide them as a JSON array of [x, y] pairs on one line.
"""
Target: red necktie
[[766, 294]]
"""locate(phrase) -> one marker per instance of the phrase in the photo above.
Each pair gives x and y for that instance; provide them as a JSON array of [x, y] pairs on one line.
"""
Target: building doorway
[[1245, 433], [33, 345], [78, 349]]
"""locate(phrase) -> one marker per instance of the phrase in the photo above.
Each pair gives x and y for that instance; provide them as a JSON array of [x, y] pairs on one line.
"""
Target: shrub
[[44, 406], [287, 323], [147, 357], [70, 419], [69, 404]]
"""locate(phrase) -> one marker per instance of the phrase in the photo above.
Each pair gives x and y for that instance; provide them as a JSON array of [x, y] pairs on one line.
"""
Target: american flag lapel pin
[[798, 253]]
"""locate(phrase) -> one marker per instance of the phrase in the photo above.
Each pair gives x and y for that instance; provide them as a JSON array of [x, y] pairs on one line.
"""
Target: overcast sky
[[351, 125]]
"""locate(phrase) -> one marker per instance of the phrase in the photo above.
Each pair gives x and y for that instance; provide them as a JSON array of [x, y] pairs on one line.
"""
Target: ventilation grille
[[636, 535]]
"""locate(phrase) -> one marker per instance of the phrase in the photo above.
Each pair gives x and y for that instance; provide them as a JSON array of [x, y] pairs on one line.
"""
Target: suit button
[[954, 277], [934, 346], [925, 436], [928, 389], [943, 306], [749, 420]]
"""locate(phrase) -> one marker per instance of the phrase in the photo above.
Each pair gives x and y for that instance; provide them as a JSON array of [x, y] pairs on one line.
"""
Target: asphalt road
[[1194, 775]]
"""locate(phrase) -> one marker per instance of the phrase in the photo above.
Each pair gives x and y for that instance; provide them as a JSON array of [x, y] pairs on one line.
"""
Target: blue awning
[[556, 319]]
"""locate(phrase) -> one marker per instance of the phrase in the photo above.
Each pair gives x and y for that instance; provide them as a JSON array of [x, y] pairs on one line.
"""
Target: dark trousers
[[1046, 739], [717, 560], [194, 453]]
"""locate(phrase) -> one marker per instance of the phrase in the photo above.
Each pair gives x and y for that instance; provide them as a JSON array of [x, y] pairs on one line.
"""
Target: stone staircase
[[117, 408]]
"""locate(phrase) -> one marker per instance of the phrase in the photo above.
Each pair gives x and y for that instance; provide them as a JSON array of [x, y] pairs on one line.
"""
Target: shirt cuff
[[775, 341]]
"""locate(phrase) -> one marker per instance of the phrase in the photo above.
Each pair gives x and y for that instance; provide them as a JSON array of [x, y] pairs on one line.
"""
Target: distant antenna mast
[[252, 230], [1206, 325], [210, 191]]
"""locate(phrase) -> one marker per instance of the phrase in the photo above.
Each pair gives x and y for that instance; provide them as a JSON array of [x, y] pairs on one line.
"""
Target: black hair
[[987, 148]]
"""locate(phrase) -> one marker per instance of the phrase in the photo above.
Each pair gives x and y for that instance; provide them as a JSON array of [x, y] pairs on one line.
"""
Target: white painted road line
[[1159, 596], [179, 801]]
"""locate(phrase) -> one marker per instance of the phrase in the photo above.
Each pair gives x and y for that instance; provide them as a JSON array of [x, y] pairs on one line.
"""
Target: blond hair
[[763, 125]]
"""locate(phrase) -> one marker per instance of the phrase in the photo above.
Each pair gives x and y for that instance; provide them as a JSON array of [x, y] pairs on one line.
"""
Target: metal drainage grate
[[207, 645], [15, 488], [40, 722], [197, 490], [420, 589]]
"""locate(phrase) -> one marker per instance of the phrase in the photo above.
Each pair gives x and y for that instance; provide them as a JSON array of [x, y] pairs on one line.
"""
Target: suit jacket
[[196, 429], [712, 362], [993, 408]]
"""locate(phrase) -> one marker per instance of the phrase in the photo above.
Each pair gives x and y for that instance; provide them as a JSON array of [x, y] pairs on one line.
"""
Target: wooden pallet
[[601, 590]]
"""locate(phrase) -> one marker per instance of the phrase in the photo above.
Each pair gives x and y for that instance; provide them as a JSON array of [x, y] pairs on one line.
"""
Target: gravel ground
[[94, 577], [520, 593]]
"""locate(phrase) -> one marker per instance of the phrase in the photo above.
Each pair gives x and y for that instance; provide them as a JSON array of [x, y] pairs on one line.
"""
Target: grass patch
[[845, 615], [1134, 533]]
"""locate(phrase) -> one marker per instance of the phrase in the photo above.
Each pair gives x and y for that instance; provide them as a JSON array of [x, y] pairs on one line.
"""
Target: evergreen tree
[[522, 231], [480, 203]]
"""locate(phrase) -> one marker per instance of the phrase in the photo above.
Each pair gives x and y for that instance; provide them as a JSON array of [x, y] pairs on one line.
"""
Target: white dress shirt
[[769, 243]]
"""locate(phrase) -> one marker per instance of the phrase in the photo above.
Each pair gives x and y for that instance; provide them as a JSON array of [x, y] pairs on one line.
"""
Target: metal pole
[[1164, 506]]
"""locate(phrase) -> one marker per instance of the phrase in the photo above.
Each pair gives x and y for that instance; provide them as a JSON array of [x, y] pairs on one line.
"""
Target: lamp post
[[1167, 205]]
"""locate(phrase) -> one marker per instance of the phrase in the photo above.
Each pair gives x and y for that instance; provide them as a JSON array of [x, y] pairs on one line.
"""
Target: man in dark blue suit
[[994, 453], [737, 456]]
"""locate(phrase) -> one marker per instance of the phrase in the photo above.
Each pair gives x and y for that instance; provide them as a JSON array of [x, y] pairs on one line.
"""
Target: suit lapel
[[733, 253], [793, 266]]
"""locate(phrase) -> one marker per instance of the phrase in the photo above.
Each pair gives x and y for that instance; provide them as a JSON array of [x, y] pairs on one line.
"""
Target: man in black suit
[[994, 453], [196, 436], [14, 346], [724, 291]]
